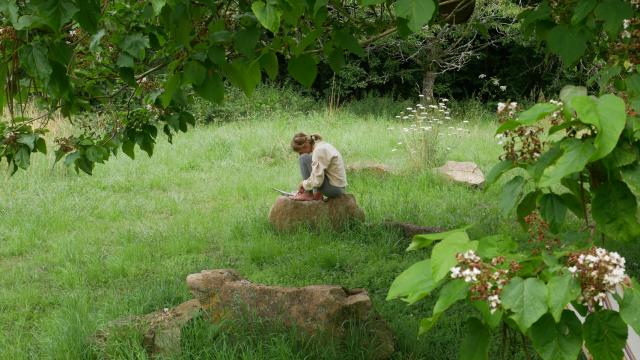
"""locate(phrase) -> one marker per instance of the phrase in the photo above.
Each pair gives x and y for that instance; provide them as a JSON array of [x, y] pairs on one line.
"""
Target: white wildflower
[[482, 76], [503, 87], [501, 107]]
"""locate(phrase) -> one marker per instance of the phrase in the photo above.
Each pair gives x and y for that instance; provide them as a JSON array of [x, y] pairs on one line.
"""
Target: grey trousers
[[326, 188]]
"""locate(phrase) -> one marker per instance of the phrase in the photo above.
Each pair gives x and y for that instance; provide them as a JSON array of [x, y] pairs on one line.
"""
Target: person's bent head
[[303, 143]]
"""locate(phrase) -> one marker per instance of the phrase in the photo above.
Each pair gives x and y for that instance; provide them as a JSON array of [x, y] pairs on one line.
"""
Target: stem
[[584, 201], [524, 346]]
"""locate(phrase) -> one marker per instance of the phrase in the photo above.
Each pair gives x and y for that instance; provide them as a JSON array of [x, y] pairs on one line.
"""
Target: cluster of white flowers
[[471, 273], [512, 106], [73, 32], [625, 34], [599, 272], [482, 76]]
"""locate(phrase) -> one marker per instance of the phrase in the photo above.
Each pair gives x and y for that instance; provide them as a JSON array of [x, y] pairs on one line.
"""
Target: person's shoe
[[305, 196]]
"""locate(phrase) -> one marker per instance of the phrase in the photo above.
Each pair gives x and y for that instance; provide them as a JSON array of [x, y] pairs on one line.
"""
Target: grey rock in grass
[[375, 168], [287, 214], [463, 172], [410, 230], [315, 309]]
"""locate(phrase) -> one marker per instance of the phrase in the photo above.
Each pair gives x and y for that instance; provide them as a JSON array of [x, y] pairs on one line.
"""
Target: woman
[[321, 166]]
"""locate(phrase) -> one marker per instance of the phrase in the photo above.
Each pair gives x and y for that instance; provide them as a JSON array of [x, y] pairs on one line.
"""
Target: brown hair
[[300, 139]]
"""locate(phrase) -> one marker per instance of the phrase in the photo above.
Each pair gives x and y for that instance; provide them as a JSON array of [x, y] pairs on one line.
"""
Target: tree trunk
[[428, 80]]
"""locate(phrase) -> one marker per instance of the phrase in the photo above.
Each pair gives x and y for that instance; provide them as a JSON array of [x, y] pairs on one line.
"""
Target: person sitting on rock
[[321, 167]]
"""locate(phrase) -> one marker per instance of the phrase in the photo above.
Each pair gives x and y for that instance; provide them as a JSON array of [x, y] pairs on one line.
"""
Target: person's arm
[[319, 162]]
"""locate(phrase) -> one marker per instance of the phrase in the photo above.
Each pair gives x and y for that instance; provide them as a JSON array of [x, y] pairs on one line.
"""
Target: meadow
[[78, 251]]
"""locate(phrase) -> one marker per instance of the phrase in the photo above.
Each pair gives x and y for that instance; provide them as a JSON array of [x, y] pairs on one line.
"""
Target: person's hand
[[301, 189]]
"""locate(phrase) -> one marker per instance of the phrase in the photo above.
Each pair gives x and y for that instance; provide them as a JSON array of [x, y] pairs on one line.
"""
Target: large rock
[[464, 172], [313, 309], [287, 214]]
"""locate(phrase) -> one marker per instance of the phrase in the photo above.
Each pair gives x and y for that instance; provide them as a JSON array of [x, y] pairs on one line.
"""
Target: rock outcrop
[[463, 172], [287, 214]]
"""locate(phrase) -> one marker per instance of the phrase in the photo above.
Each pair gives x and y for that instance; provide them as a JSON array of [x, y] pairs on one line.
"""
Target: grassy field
[[78, 251]]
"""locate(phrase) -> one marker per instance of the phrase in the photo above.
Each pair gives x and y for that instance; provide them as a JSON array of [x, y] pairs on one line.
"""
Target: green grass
[[78, 251]]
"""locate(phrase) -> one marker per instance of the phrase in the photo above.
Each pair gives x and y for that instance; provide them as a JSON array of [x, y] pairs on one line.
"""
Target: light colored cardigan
[[325, 160]]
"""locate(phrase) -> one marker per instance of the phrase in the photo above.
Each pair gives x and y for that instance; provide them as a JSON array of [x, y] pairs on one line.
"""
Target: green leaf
[[95, 40], [508, 125], [267, 14], [22, 157], [419, 242], [566, 42], [452, 292], [545, 160], [443, 256], [569, 92], [345, 40], [417, 12], [269, 62], [97, 154], [245, 76], [553, 211], [605, 335], [304, 69], [606, 75], [307, 40], [612, 116], [414, 283], [495, 245], [557, 341], [34, 61], [497, 170], [427, 323], [574, 158], [631, 176], [630, 307], [336, 60], [245, 40], [527, 299], [41, 145], [561, 290], [170, 86], [216, 54], [528, 204], [157, 6], [10, 10], [633, 85], [492, 319], [536, 113], [613, 12], [194, 73], [88, 15], [511, 193], [124, 60], [475, 345], [582, 10], [135, 44], [55, 13], [371, 2], [212, 88], [614, 210], [29, 140]]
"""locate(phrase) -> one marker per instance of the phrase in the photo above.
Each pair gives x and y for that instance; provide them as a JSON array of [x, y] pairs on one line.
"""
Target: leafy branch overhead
[[148, 57]]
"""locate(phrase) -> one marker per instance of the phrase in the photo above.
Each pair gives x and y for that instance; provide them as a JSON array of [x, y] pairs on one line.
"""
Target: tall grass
[[79, 251]]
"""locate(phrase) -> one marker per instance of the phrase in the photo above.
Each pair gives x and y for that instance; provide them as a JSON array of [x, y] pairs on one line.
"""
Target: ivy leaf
[[557, 341], [562, 289], [135, 45], [574, 158], [613, 12], [553, 210], [443, 256], [605, 335], [527, 299], [610, 208], [475, 345], [630, 307], [417, 12], [88, 15], [414, 283], [35, 62], [511, 193], [566, 42], [304, 69], [212, 88], [267, 14]]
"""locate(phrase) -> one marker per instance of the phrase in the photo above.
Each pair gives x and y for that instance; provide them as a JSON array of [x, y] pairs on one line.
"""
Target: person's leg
[[305, 166], [329, 190]]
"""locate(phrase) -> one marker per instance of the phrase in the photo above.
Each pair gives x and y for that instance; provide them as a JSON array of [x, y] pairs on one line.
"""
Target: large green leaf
[[135, 44], [345, 40], [449, 294], [424, 240], [158, 5], [536, 113], [582, 10], [245, 76], [569, 92], [417, 12], [557, 341], [414, 283], [9, 9], [304, 69], [88, 15], [630, 307], [608, 115], [170, 87], [34, 61], [605, 335], [553, 210], [475, 345], [245, 40], [268, 14], [496, 171], [547, 158], [631, 176], [55, 13], [527, 299], [194, 73], [574, 158], [614, 210], [212, 88], [511, 193], [528, 205], [269, 62], [562, 289], [567, 42], [443, 256], [495, 245], [613, 12]]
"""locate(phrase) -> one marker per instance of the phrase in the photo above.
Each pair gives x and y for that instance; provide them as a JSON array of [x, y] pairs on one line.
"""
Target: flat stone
[[313, 309], [379, 169], [287, 214], [463, 172]]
